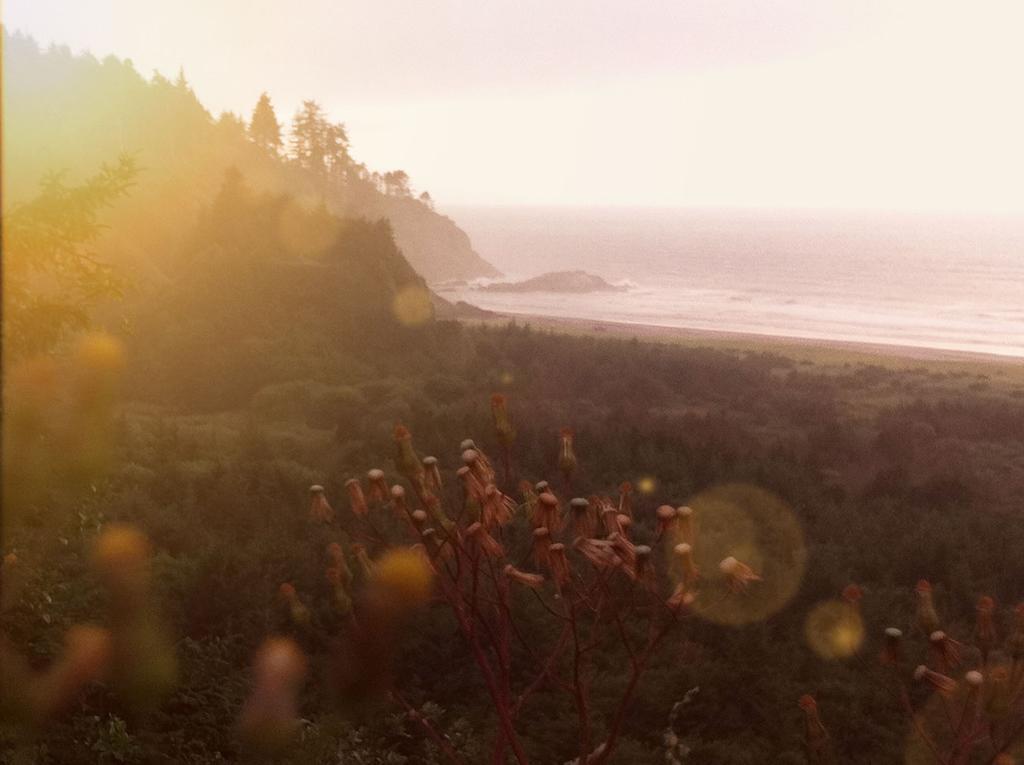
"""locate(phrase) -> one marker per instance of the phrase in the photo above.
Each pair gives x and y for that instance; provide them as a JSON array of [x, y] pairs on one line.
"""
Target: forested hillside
[[73, 112], [278, 511]]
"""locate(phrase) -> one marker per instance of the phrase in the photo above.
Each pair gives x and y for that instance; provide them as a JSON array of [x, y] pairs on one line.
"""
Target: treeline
[[66, 112]]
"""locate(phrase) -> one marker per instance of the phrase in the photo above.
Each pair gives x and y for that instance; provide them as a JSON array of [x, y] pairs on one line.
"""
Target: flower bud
[[432, 475], [407, 462], [320, 511], [484, 542], [377, 486], [738, 575], [686, 525], [583, 523], [666, 515], [892, 647], [356, 499], [533, 581], [560, 571], [684, 553], [945, 650], [548, 512], [941, 683]]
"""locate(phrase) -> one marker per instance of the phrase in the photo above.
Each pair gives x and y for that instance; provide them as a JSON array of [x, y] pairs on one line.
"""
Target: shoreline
[[799, 348]]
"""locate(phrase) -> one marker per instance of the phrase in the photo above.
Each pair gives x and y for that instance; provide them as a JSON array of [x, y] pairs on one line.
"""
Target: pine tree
[[264, 129], [317, 144]]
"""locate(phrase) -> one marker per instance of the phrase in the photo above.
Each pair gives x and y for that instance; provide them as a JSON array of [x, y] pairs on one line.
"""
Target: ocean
[[951, 282]]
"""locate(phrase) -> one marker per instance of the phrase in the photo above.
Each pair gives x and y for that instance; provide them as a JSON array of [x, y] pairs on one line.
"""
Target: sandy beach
[[1008, 369]]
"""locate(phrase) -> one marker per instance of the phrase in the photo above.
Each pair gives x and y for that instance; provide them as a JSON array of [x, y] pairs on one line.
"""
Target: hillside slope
[[65, 112]]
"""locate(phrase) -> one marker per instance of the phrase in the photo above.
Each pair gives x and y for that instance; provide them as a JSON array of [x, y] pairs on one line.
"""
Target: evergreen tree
[[52, 277], [317, 144], [264, 129]]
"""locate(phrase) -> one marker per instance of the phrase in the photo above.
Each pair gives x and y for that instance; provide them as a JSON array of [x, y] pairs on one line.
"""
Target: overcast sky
[[895, 104]]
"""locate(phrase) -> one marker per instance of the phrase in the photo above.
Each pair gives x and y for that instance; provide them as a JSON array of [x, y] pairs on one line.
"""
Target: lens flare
[[646, 484], [834, 630], [754, 526], [412, 306]]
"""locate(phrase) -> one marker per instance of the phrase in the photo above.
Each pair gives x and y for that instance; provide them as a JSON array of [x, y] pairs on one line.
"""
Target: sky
[[859, 104]]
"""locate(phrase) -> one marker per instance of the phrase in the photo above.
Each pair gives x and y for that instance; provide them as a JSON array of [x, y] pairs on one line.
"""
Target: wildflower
[[941, 683], [547, 512], [433, 505], [432, 475], [297, 611], [892, 648], [738, 575], [626, 498], [583, 524], [984, 627], [498, 508], [338, 579], [816, 737], [355, 497], [502, 424], [680, 598], [419, 519], [559, 563], [432, 543], [320, 510], [533, 581], [945, 649], [597, 551], [472, 487], [566, 455], [475, 461], [624, 549], [974, 680], [398, 500], [686, 524], [407, 462], [487, 544], [609, 517], [541, 545], [927, 618], [378, 487], [337, 556], [666, 518], [362, 560], [684, 552]]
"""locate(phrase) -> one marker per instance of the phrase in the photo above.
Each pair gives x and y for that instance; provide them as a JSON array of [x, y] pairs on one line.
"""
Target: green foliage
[[52, 275]]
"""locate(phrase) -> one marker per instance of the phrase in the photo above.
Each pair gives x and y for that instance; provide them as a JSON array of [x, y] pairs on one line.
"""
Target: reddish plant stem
[[620, 713]]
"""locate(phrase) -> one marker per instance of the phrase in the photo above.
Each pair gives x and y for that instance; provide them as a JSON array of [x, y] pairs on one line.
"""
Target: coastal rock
[[558, 281]]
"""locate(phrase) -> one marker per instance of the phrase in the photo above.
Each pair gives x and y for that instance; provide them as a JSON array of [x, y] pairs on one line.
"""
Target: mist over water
[[946, 282]]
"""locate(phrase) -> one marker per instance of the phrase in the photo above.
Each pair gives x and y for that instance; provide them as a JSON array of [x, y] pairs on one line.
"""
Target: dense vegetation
[[281, 349]]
